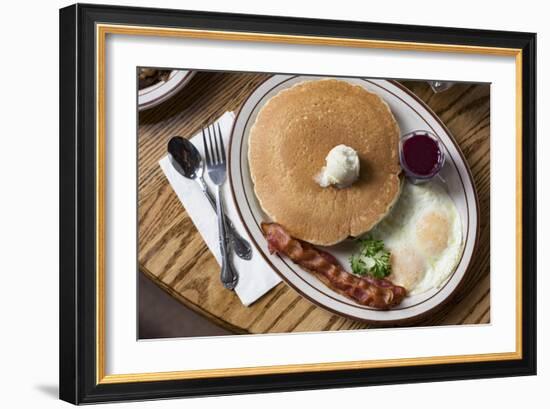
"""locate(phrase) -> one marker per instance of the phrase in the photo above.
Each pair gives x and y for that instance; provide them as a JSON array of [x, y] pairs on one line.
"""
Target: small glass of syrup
[[421, 155]]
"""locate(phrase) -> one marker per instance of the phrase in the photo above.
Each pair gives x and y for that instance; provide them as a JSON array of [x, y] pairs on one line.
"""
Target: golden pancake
[[293, 133]]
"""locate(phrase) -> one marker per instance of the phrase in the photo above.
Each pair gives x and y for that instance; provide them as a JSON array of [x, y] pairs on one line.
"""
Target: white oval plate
[[160, 91], [411, 114]]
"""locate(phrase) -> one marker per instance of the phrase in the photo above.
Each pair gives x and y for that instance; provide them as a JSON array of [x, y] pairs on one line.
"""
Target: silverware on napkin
[[188, 162]]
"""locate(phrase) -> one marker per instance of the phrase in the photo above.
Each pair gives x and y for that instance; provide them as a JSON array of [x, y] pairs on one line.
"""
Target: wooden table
[[173, 254]]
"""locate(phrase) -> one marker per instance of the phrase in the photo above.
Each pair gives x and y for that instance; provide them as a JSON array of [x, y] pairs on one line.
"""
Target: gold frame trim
[[101, 32]]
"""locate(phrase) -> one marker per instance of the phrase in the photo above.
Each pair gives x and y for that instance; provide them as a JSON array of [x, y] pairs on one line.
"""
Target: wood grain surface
[[172, 253]]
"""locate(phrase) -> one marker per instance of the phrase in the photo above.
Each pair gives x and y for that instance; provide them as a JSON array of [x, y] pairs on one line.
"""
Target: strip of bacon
[[369, 291]]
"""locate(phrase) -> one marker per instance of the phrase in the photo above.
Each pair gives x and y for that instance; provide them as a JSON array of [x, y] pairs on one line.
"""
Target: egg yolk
[[407, 267], [432, 232]]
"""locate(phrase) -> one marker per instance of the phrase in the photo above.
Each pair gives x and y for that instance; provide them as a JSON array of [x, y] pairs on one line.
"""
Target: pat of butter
[[341, 169]]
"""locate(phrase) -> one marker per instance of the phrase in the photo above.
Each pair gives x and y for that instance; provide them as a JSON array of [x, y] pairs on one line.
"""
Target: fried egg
[[423, 233]]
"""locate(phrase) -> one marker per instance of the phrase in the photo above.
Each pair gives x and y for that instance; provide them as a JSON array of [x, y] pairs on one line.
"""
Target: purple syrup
[[421, 155]]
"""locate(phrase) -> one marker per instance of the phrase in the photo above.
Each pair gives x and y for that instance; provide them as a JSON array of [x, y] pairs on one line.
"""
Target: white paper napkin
[[255, 276]]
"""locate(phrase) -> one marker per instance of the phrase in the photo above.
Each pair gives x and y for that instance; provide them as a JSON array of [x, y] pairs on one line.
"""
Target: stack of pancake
[[288, 144]]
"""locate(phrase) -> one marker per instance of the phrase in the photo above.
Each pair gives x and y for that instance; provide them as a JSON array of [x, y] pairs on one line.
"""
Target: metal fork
[[216, 167]]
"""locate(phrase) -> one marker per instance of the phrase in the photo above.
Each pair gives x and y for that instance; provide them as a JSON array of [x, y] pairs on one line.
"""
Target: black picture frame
[[78, 363]]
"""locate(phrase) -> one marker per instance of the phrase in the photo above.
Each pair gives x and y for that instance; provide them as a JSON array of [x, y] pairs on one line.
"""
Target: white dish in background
[[158, 92], [411, 114]]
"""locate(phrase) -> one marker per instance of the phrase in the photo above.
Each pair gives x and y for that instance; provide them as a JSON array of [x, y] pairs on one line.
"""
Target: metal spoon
[[188, 161]]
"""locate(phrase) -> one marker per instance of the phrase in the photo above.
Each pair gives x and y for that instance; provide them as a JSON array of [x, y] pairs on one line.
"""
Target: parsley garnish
[[372, 259]]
